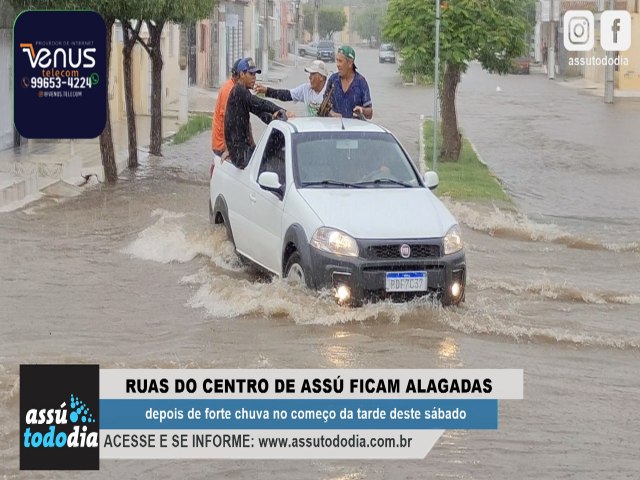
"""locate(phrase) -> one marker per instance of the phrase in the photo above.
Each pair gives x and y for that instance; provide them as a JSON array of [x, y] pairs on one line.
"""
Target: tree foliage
[[490, 31], [330, 20]]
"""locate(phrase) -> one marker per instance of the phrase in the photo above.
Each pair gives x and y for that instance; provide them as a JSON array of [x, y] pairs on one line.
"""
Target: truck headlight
[[334, 241], [453, 240]]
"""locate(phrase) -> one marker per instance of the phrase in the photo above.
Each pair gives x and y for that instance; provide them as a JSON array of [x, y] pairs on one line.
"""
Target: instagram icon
[[578, 30]]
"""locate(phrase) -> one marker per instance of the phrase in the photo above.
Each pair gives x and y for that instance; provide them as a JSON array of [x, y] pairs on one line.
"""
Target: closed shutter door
[[235, 39]]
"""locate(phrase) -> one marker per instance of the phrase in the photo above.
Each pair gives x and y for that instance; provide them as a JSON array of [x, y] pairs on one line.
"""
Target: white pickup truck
[[339, 204]]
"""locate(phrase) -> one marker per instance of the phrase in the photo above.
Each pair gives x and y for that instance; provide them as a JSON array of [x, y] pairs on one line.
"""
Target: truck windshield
[[347, 159]]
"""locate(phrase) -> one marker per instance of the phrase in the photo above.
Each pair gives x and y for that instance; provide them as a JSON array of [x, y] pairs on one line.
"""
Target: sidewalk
[[35, 168], [585, 87], [31, 170]]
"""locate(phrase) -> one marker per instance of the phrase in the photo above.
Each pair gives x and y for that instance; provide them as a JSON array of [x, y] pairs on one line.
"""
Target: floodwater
[[135, 277]]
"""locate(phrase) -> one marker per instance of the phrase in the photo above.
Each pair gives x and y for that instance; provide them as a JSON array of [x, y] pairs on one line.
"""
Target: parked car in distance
[[338, 204], [326, 51], [386, 53], [520, 66], [308, 49]]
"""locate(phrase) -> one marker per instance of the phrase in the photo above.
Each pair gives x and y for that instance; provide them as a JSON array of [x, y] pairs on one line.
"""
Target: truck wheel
[[229, 232], [294, 270]]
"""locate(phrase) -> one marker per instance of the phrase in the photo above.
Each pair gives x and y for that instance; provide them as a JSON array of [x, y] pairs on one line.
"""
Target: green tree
[[368, 22], [330, 20], [130, 35], [490, 31]]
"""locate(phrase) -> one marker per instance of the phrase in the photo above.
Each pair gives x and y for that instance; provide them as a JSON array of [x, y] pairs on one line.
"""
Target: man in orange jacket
[[218, 144]]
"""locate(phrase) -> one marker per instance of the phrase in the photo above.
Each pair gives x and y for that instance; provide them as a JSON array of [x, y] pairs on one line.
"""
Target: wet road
[[565, 157], [133, 277]]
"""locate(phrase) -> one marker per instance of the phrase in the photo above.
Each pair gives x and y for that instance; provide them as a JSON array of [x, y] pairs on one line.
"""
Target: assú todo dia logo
[[76, 412], [59, 417]]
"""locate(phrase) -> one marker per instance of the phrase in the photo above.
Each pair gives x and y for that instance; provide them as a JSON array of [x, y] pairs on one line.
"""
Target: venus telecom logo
[[59, 59], [59, 427]]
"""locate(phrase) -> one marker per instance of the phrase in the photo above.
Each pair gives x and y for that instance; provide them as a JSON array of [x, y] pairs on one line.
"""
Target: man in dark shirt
[[349, 89], [237, 126]]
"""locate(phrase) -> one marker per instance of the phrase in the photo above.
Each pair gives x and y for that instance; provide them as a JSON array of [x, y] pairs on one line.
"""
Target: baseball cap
[[234, 69], [248, 65], [348, 52], [317, 66]]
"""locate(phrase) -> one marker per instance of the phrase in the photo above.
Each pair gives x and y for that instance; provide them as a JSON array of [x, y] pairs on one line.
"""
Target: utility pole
[[551, 50], [609, 69], [296, 34], [436, 86], [265, 38], [316, 35], [183, 111]]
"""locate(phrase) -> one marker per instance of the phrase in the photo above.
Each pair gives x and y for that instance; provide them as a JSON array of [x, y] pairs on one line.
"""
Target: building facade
[[141, 72], [6, 111], [588, 64]]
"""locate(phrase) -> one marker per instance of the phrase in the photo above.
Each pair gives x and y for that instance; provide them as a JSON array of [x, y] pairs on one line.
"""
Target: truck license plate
[[406, 281]]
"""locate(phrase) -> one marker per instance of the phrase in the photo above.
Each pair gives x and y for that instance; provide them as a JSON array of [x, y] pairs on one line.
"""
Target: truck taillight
[[212, 167]]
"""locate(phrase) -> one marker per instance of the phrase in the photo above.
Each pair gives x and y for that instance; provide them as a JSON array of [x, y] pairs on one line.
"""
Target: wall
[[6, 112], [141, 67], [629, 76], [204, 56]]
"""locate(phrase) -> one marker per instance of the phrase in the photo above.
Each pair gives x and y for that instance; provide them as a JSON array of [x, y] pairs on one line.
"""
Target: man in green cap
[[350, 96]]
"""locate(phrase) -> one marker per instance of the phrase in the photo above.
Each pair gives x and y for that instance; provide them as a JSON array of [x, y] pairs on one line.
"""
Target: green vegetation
[[367, 22], [466, 179], [489, 31], [196, 124], [330, 20]]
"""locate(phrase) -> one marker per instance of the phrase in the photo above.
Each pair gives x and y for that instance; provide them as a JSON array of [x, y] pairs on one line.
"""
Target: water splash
[[180, 237], [474, 322], [517, 226], [555, 291]]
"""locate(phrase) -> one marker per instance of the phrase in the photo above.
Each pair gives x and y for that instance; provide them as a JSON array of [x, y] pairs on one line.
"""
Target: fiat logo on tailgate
[[405, 250]]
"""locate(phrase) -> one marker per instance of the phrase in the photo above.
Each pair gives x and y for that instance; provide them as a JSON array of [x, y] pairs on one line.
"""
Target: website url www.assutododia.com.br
[[336, 441]]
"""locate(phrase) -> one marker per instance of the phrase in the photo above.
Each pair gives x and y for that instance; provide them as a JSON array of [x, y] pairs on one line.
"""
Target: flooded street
[[564, 156], [135, 277]]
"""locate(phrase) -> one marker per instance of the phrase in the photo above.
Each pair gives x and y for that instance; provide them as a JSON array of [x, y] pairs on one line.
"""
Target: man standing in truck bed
[[310, 93], [237, 126], [217, 123]]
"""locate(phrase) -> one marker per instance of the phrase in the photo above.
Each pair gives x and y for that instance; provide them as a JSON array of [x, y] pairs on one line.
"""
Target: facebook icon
[[615, 30]]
